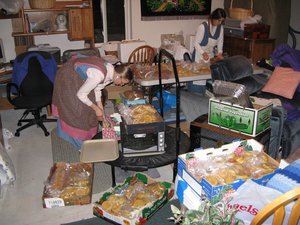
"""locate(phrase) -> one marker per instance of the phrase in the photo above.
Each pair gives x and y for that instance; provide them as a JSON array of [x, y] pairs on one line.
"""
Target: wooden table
[[182, 79], [5, 76]]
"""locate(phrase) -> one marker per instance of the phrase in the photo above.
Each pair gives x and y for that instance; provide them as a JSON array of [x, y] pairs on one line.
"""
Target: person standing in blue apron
[[210, 35], [208, 44]]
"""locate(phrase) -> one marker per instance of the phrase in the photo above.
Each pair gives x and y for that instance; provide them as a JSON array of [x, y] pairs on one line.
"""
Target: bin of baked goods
[[141, 119], [232, 164], [134, 201], [68, 184]]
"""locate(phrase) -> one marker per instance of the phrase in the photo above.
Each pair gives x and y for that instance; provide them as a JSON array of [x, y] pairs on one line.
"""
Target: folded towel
[[286, 179]]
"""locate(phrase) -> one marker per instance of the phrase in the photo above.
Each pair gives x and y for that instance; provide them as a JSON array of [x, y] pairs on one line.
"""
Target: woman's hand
[[205, 56], [220, 56], [99, 112]]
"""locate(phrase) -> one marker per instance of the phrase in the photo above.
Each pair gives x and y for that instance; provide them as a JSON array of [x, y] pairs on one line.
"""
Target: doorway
[[109, 20]]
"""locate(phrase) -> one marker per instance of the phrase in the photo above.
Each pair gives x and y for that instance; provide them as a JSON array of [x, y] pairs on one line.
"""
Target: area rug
[[63, 151], [160, 217]]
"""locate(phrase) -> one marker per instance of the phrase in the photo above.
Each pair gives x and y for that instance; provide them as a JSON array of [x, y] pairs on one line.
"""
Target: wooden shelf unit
[[80, 25]]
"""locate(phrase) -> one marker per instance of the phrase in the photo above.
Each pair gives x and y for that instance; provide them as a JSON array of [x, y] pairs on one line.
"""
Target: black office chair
[[31, 87]]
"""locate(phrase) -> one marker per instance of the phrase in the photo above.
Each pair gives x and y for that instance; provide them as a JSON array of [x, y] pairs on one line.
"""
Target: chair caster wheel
[[17, 134], [47, 133]]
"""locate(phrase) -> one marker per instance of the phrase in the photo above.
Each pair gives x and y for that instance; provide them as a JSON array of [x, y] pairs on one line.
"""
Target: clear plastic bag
[[7, 135], [11, 6]]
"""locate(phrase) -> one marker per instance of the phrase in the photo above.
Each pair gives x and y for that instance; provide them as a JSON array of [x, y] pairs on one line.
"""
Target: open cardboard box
[[249, 121], [138, 216], [205, 155]]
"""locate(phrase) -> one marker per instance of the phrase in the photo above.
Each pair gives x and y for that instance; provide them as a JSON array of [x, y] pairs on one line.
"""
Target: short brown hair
[[124, 71]]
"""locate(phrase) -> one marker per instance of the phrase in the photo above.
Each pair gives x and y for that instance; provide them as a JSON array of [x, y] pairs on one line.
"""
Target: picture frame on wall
[[174, 8]]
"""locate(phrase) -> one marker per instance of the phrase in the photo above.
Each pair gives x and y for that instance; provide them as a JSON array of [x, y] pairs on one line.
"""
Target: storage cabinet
[[81, 26], [254, 49], [79, 15]]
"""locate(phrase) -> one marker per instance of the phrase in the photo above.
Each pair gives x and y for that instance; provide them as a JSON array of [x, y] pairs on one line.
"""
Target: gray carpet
[[63, 151]]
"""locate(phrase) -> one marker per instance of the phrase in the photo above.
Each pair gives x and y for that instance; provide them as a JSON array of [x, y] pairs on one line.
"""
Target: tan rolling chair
[[143, 55], [276, 208]]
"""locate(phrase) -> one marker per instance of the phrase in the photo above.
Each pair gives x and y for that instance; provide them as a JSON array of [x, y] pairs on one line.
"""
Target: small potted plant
[[215, 212]]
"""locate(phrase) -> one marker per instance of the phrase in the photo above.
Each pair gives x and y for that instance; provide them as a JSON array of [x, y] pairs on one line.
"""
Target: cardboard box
[[68, 184], [206, 155], [249, 121], [139, 216], [115, 91]]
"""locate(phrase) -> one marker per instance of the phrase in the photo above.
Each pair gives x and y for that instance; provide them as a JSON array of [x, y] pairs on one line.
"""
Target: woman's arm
[[220, 43], [198, 38], [92, 82]]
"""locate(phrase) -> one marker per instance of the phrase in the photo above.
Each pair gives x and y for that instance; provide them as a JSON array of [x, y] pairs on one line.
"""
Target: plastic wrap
[[138, 114], [129, 199], [234, 92], [241, 164], [71, 182]]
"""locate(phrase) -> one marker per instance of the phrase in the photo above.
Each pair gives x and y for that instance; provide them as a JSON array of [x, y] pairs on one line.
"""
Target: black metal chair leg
[[41, 125], [32, 122]]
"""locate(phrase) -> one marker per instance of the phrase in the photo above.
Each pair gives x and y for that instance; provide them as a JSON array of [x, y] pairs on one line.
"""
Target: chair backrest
[[143, 55], [34, 73], [83, 52], [277, 208], [35, 83], [33, 76]]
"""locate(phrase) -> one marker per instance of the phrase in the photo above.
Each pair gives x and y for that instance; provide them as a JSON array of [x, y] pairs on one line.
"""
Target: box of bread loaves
[[134, 201], [141, 119], [232, 164], [68, 184]]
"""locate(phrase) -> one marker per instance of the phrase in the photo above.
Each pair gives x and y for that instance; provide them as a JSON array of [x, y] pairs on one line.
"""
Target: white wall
[[60, 40]]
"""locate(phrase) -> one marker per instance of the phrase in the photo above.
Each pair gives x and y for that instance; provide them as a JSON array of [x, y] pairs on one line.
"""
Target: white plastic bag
[[251, 197], [11, 6], [7, 169], [7, 134]]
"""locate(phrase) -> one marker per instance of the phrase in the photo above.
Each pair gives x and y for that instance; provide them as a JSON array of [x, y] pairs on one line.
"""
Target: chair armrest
[[11, 88]]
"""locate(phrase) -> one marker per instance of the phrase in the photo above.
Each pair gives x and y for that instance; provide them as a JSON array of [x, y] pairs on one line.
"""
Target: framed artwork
[[171, 8]]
